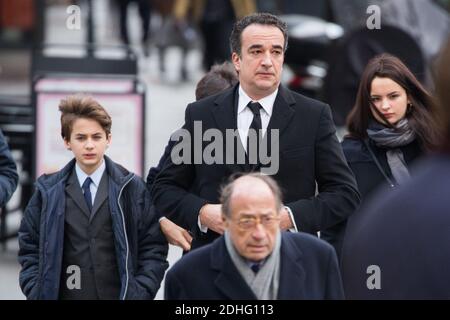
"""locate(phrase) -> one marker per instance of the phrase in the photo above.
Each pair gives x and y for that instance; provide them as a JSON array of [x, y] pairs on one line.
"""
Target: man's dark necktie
[[256, 125], [87, 192], [255, 267]]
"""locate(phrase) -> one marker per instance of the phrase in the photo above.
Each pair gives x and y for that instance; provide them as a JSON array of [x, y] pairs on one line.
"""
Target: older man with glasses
[[254, 259]]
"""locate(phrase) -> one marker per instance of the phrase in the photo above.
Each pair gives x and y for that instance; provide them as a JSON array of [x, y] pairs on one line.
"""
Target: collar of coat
[[115, 171], [233, 286]]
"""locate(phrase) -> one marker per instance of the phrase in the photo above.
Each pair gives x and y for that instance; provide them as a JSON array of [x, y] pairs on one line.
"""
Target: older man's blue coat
[[309, 270]]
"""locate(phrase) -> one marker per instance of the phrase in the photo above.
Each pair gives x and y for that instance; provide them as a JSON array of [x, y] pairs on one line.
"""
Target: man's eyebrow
[[255, 46], [252, 215], [83, 134], [246, 215]]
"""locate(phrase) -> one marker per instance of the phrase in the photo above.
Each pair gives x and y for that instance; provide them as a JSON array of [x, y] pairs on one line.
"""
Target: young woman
[[407, 232], [391, 125]]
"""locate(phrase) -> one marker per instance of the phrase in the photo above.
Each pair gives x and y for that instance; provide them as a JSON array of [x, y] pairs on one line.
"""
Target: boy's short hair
[[81, 106]]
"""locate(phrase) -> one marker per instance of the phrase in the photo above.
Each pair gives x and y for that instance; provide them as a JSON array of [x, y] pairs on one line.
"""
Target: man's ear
[[67, 144], [225, 221], [236, 61], [108, 139]]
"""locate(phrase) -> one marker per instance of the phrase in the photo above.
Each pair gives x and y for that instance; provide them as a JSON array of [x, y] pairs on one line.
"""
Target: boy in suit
[[87, 232]]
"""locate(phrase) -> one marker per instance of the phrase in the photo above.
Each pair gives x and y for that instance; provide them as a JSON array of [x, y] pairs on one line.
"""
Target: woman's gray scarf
[[265, 283], [393, 139]]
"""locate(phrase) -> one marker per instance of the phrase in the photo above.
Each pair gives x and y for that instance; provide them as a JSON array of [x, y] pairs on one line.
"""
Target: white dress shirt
[[96, 176], [245, 115], [244, 120]]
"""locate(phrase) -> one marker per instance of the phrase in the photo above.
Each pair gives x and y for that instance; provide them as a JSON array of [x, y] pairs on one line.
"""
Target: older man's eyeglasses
[[250, 222]]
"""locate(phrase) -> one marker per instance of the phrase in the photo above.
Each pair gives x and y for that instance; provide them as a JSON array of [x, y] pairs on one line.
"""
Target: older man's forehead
[[248, 186], [250, 203], [256, 213]]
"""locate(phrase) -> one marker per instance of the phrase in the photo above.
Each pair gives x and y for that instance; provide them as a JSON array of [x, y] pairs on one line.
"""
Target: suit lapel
[[226, 118], [225, 110], [292, 273], [228, 281], [282, 115], [101, 195], [73, 190], [282, 112]]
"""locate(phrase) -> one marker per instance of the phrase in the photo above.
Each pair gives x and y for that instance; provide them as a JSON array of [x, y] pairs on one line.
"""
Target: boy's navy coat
[[141, 249], [8, 172]]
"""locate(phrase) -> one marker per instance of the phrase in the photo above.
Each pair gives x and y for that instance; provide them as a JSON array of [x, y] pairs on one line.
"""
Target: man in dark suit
[[299, 136], [254, 259]]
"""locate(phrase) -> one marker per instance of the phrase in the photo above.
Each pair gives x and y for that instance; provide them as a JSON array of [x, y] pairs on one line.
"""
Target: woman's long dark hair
[[421, 116], [443, 95]]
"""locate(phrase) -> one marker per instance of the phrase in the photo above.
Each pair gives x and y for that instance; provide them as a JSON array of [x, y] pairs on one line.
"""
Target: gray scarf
[[265, 283], [393, 139]]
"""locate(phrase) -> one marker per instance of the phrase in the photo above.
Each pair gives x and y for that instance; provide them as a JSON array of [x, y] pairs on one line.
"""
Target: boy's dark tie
[[87, 192]]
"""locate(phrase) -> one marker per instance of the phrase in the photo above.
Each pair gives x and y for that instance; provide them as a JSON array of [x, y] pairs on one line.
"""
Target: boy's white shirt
[[96, 176]]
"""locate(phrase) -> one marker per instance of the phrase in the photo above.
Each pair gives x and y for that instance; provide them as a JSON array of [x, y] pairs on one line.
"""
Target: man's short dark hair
[[266, 19], [220, 77]]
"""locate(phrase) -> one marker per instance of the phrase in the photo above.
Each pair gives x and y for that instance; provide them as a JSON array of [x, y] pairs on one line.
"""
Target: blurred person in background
[[145, 10], [391, 126], [215, 19], [219, 78], [172, 33], [397, 246]]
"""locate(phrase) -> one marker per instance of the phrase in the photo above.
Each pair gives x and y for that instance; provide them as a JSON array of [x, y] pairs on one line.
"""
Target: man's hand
[[175, 234], [211, 217], [285, 220]]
